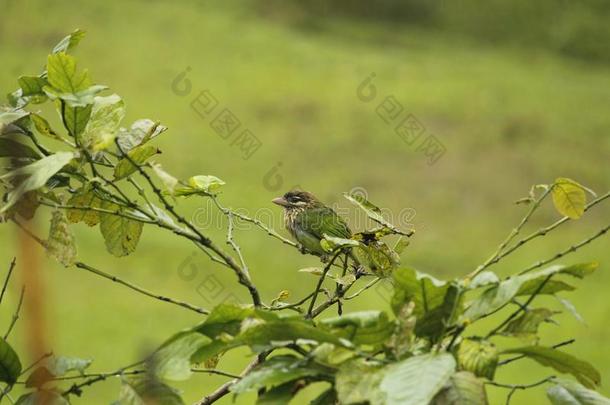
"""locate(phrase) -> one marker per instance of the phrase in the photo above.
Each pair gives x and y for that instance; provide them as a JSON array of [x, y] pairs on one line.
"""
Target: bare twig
[[118, 280], [543, 231], [571, 249], [8, 277], [16, 314], [514, 387], [521, 308], [496, 256], [320, 281]]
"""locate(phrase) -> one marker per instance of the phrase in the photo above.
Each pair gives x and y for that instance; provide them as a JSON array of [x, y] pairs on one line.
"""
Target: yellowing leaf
[[85, 198], [569, 198], [120, 234], [61, 244]]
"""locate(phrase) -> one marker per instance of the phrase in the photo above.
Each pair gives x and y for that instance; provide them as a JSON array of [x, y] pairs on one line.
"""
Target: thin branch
[[224, 389], [320, 281], [76, 389], [117, 213], [522, 308], [102, 376], [242, 276], [15, 315], [571, 249], [521, 356], [8, 277], [35, 363], [270, 231], [543, 231], [118, 280], [514, 387], [234, 245], [496, 256], [140, 290], [363, 289]]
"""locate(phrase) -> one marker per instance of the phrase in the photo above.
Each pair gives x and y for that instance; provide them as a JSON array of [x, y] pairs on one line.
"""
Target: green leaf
[[357, 382], [366, 327], [42, 397], [10, 366], [437, 303], [464, 388], [224, 318], [527, 324], [207, 184], [81, 98], [138, 155], [15, 149], [75, 118], [61, 243], [32, 88], [373, 212], [484, 279], [69, 41], [497, 296], [569, 198], [566, 392], [280, 395], [141, 131], [263, 334], [550, 287], [479, 357], [562, 362], [173, 359], [331, 243], [120, 234], [328, 397], [36, 175], [144, 391], [276, 371], [85, 198], [103, 125], [62, 74], [417, 380]]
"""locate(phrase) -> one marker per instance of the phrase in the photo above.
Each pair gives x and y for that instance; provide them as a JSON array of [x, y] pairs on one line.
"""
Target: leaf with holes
[[120, 234], [84, 199]]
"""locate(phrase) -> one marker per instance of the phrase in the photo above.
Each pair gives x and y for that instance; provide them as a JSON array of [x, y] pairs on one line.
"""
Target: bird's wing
[[323, 220]]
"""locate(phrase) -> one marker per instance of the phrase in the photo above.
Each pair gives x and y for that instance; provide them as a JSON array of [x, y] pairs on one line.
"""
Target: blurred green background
[[517, 92]]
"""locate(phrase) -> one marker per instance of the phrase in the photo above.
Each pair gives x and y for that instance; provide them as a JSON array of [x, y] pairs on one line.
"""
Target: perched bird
[[308, 220]]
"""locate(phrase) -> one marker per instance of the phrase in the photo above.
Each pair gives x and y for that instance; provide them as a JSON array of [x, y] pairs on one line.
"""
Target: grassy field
[[508, 117]]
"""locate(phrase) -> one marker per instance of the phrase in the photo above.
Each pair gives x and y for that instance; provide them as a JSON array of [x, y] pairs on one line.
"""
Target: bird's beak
[[280, 201]]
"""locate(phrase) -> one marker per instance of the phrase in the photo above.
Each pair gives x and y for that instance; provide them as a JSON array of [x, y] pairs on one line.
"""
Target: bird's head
[[297, 199]]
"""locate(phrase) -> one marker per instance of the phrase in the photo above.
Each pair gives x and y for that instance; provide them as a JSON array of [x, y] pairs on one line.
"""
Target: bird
[[308, 220]]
